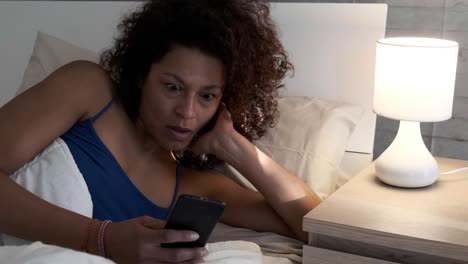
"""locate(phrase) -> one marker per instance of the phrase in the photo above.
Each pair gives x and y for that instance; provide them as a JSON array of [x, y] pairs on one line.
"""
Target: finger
[[195, 261], [177, 255], [199, 260], [151, 222], [225, 111], [172, 236]]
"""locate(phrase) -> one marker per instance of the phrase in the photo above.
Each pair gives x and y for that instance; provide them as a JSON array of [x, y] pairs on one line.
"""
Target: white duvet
[[39, 253], [63, 185]]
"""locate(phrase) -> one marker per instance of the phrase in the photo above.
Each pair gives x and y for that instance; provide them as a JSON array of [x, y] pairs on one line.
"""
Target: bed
[[325, 131]]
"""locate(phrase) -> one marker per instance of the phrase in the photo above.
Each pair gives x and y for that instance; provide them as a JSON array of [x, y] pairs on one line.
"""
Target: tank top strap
[[96, 117], [176, 191]]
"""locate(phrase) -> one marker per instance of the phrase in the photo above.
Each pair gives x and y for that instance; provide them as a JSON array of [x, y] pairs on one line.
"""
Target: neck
[[148, 146]]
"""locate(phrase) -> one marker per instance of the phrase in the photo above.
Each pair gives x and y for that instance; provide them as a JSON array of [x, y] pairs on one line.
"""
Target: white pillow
[[50, 53], [309, 140], [61, 184]]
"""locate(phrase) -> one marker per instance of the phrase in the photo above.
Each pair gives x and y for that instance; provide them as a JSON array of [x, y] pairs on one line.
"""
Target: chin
[[177, 146]]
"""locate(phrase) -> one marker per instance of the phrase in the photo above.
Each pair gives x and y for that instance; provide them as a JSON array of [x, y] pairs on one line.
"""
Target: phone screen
[[194, 213]]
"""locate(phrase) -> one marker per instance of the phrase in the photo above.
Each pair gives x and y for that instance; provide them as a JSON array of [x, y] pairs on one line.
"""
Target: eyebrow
[[179, 79]]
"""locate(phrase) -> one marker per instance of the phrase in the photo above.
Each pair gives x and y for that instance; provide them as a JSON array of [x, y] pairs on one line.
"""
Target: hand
[[212, 141], [138, 241]]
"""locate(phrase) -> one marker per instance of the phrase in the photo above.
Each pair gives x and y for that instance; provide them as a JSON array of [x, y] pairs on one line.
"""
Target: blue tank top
[[114, 196]]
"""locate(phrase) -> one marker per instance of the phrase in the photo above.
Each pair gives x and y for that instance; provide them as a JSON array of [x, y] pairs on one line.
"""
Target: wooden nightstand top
[[431, 218]]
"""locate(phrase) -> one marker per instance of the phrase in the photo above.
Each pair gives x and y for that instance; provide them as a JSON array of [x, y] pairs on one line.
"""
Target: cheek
[[208, 114]]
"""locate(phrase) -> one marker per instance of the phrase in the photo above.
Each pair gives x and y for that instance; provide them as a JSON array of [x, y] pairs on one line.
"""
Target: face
[[180, 95]]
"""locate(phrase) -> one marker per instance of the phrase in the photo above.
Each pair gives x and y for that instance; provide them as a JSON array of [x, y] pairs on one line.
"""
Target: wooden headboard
[[331, 45]]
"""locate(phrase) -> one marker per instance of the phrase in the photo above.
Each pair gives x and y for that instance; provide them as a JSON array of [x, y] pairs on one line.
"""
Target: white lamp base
[[407, 162]]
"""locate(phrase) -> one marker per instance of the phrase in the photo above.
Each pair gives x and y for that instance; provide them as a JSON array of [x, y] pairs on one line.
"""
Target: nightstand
[[366, 221]]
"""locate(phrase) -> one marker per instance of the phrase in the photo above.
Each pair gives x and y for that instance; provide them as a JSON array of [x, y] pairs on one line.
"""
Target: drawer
[[315, 255]]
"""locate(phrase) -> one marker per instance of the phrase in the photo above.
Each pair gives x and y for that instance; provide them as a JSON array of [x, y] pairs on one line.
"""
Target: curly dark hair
[[240, 33]]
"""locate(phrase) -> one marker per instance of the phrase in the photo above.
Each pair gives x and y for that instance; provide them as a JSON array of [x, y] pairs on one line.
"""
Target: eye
[[173, 87], [208, 96]]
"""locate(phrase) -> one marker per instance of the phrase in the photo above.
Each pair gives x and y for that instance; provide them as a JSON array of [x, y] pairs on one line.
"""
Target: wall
[[439, 19]]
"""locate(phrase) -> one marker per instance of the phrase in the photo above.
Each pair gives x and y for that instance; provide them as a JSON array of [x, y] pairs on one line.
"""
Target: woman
[[192, 81]]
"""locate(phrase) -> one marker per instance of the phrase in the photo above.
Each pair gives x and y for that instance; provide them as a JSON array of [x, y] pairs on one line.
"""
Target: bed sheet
[[230, 252]]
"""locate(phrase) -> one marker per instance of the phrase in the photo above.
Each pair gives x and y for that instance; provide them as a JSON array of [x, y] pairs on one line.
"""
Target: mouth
[[180, 133]]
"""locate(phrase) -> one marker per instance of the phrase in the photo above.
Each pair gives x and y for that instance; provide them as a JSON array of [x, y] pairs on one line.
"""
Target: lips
[[180, 133]]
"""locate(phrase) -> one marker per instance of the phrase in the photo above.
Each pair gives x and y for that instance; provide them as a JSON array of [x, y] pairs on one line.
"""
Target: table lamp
[[414, 82]]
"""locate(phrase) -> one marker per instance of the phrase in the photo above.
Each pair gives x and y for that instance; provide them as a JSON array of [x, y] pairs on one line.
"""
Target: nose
[[186, 107]]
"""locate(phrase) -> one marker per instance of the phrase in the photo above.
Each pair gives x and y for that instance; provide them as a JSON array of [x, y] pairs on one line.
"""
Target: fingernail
[[194, 236], [204, 253]]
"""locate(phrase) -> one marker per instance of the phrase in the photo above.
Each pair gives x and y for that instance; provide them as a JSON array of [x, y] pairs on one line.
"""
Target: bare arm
[[284, 198], [289, 197], [29, 123], [246, 208], [35, 118], [29, 217]]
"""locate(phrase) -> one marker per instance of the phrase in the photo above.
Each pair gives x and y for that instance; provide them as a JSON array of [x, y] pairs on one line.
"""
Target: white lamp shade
[[415, 78]]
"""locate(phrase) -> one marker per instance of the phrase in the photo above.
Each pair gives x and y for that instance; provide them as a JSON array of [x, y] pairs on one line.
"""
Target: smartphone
[[194, 213]]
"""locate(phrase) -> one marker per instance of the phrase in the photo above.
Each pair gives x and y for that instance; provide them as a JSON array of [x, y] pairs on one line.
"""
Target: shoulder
[[45, 111], [80, 77], [89, 82], [86, 74]]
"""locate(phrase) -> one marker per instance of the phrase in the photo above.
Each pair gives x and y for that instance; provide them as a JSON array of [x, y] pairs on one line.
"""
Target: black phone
[[194, 213]]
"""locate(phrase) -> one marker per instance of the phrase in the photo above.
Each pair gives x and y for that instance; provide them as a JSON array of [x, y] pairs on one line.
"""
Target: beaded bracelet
[[102, 230], [89, 227]]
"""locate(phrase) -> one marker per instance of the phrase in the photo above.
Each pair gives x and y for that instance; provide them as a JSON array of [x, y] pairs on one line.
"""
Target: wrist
[[108, 238], [95, 238], [232, 148], [101, 238], [89, 243]]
